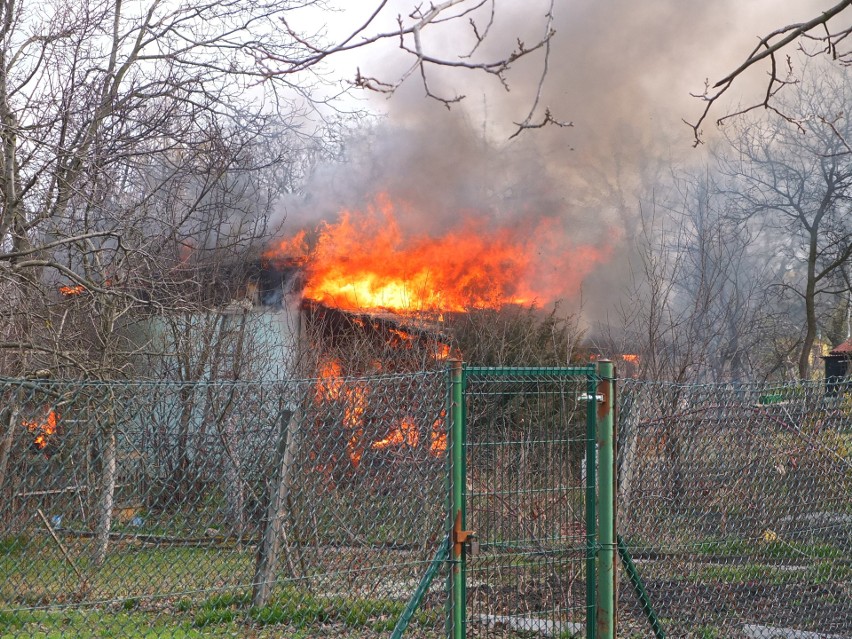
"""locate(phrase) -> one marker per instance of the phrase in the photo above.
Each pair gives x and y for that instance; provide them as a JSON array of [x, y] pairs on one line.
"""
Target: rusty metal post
[[606, 502]]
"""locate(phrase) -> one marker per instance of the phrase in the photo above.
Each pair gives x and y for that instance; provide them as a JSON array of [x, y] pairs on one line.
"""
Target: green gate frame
[[600, 544], [599, 395]]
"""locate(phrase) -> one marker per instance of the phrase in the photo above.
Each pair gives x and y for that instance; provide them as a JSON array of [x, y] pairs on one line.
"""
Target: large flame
[[365, 261]]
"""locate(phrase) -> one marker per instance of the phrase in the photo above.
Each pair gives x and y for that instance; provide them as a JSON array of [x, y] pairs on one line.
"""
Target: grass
[[814, 573], [298, 608], [133, 579], [13, 545], [36, 572], [760, 549], [222, 615], [91, 624]]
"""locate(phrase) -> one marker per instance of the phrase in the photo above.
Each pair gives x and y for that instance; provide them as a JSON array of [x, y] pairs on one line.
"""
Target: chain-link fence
[[735, 504], [313, 508], [222, 509]]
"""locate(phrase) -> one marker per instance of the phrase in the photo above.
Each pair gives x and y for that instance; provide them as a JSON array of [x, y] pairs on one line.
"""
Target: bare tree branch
[[768, 46]]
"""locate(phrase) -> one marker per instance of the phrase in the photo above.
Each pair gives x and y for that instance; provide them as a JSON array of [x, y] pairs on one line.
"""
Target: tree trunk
[[810, 308], [5, 452], [103, 513], [275, 521]]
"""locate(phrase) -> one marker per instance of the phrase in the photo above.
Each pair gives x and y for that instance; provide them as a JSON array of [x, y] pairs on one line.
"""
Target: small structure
[[838, 369]]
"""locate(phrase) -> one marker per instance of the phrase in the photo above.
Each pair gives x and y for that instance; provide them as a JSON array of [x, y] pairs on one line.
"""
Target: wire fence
[[735, 503], [166, 510], [313, 508]]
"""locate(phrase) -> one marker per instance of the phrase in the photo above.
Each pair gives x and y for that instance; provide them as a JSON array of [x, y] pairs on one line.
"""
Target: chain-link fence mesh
[[526, 501], [735, 503], [221, 509], [313, 508]]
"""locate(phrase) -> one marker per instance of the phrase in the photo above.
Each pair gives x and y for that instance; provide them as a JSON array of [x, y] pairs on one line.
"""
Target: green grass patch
[[299, 613], [708, 632], [13, 545], [38, 573], [212, 616], [93, 624], [760, 549], [227, 600]]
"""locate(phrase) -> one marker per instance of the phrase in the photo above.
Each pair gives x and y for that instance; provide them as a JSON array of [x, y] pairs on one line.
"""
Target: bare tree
[[417, 30], [107, 107], [697, 305], [142, 146], [792, 182]]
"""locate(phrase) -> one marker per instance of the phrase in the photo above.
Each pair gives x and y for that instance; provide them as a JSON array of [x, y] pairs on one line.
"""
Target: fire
[[69, 291], [365, 261], [401, 338], [330, 381], [442, 351], [354, 398], [42, 429], [630, 357], [438, 437], [331, 386], [353, 419], [406, 433]]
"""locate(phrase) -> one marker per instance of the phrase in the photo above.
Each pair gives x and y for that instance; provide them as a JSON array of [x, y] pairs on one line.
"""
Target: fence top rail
[[24, 382], [530, 371], [789, 389]]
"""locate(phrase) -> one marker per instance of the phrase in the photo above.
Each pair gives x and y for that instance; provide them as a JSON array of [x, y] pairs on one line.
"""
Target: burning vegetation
[[71, 291], [43, 430], [361, 430]]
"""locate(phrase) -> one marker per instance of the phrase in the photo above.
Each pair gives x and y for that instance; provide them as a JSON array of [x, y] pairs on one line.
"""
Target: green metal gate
[[527, 557]]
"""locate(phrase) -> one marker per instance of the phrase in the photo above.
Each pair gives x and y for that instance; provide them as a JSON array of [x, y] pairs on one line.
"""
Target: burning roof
[[366, 261]]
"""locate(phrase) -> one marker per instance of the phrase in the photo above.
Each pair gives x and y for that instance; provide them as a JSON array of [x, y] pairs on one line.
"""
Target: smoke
[[622, 72]]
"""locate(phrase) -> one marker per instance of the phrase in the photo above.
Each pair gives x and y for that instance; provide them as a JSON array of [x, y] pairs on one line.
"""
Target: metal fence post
[[591, 507], [606, 498], [457, 497]]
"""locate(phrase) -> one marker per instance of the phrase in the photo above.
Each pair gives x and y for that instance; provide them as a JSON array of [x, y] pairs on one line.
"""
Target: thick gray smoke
[[621, 71]]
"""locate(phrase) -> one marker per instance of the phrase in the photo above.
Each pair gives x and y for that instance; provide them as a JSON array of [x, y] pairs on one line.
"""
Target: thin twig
[[84, 584]]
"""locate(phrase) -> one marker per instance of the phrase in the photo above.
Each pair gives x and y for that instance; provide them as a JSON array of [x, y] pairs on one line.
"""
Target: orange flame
[[365, 261], [330, 381], [630, 357], [355, 398], [439, 437], [69, 291], [42, 430], [405, 433], [442, 351], [330, 386]]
